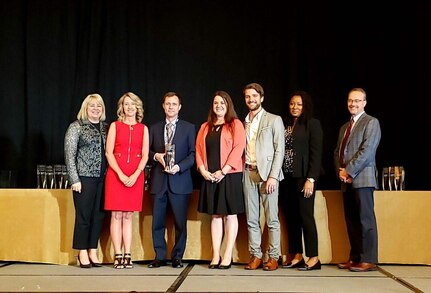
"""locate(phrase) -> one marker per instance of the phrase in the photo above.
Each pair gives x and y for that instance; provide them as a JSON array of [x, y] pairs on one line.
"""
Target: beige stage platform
[[37, 226], [196, 277]]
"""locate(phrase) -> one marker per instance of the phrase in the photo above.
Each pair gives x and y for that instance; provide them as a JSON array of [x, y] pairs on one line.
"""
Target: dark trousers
[[361, 223], [179, 205], [299, 213], [89, 213]]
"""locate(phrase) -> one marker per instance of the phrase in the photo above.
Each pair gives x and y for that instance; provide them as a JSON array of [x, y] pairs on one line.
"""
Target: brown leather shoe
[[346, 265], [254, 263], [363, 267], [271, 264]]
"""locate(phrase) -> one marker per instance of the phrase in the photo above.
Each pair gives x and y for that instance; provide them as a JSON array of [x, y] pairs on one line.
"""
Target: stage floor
[[196, 277]]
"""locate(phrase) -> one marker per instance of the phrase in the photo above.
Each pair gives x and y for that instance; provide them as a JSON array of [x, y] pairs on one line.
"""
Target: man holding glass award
[[172, 155]]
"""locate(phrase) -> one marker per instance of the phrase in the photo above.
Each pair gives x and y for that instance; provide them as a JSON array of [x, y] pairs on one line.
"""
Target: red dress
[[128, 152]]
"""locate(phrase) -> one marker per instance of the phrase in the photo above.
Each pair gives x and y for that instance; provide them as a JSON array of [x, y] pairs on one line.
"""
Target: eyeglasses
[[354, 101]]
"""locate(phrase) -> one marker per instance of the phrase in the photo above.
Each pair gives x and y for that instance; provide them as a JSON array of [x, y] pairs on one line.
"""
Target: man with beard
[[264, 156]]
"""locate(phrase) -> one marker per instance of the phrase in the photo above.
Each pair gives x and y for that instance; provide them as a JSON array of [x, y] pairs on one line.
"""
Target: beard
[[254, 107]]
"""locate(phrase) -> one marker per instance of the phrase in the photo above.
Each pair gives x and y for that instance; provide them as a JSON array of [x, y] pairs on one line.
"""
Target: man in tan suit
[[263, 161]]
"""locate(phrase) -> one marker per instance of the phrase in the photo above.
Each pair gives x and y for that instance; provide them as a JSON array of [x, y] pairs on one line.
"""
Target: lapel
[[357, 123], [355, 127], [262, 122], [177, 129]]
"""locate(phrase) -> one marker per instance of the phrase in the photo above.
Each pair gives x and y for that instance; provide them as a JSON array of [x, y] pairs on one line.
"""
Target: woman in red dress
[[127, 147]]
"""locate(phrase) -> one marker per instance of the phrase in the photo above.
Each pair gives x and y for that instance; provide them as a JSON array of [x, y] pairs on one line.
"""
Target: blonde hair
[[83, 115], [136, 101]]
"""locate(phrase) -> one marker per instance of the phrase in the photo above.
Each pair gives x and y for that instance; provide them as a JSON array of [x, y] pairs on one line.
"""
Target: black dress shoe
[[176, 263], [289, 265], [157, 263], [84, 266], [317, 266], [214, 265], [95, 264], [225, 267]]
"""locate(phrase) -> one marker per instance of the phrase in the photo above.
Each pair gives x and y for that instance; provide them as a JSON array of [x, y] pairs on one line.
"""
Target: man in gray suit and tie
[[263, 161], [355, 162]]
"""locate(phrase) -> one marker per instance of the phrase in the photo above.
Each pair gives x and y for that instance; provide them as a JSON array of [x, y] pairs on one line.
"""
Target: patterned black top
[[288, 151]]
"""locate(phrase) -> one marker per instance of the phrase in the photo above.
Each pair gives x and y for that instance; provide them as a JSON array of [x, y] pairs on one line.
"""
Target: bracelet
[[222, 173]]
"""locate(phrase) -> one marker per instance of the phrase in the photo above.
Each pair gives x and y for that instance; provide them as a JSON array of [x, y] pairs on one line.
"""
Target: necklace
[[217, 127], [290, 128]]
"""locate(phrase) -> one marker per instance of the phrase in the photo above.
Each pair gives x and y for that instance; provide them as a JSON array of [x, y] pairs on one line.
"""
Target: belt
[[250, 167]]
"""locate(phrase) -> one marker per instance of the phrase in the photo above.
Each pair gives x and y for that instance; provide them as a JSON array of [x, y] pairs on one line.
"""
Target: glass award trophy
[[65, 177], [41, 176], [147, 172], [399, 178], [385, 178], [50, 179], [169, 156], [58, 177]]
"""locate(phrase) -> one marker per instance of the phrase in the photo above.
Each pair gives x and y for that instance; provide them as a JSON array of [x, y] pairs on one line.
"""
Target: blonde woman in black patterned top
[[84, 150]]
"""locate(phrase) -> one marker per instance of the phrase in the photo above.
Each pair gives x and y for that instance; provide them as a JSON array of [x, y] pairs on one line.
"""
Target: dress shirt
[[251, 128]]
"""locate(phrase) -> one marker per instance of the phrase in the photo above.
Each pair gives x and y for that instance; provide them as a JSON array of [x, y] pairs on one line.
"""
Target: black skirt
[[223, 198]]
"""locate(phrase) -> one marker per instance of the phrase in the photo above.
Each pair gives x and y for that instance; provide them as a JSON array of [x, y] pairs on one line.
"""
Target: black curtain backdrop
[[55, 53]]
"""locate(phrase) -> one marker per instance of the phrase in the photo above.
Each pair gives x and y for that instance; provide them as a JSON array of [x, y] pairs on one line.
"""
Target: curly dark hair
[[307, 108]]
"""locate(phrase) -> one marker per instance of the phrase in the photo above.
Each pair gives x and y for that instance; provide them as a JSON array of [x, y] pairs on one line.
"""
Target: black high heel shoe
[[225, 267], [128, 261], [95, 264], [84, 266], [214, 266]]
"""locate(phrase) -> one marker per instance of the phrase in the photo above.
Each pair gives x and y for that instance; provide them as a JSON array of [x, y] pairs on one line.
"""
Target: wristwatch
[[311, 180]]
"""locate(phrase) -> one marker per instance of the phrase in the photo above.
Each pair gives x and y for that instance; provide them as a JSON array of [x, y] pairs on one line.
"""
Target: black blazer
[[307, 146]]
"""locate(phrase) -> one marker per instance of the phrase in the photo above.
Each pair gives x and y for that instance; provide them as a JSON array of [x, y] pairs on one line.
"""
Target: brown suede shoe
[[254, 263], [363, 267], [271, 265], [346, 265]]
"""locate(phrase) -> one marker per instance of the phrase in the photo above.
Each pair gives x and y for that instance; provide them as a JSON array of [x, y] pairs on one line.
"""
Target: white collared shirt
[[251, 128]]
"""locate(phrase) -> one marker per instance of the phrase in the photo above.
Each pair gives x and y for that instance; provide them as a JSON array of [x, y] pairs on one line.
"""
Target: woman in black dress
[[219, 157]]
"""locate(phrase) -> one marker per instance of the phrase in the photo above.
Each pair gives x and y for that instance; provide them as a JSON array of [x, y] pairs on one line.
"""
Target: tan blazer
[[270, 146]]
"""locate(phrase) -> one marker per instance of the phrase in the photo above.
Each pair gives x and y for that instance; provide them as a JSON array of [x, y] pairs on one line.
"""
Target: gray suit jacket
[[360, 152], [270, 146]]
